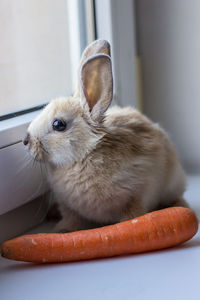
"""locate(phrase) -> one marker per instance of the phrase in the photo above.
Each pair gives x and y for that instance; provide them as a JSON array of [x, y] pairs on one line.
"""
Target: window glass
[[38, 53]]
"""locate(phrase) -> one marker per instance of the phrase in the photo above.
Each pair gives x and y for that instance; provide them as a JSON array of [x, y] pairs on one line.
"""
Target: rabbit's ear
[[97, 84], [98, 46]]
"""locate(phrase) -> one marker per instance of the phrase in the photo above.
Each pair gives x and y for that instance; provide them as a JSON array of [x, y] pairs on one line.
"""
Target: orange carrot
[[156, 230]]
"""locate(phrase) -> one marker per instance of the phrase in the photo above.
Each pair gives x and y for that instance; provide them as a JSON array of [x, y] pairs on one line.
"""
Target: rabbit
[[105, 165]]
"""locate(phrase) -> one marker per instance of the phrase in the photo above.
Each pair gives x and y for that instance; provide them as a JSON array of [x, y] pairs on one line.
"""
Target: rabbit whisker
[[43, 196], [43, 149], [26, 162]]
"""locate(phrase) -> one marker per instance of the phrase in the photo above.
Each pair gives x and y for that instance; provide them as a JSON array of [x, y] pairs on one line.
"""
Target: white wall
[[115, 20], [169, 44]]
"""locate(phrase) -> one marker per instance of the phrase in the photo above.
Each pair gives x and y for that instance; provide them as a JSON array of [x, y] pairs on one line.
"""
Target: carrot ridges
[[156, 230]]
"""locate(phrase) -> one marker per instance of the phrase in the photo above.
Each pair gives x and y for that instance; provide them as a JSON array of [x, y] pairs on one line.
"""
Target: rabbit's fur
[[108, 165]]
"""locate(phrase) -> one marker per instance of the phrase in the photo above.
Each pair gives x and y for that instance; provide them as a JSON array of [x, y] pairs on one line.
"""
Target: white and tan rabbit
[[104, 165]]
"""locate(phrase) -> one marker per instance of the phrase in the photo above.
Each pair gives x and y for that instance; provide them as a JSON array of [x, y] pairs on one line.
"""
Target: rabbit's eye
[[59, 125]]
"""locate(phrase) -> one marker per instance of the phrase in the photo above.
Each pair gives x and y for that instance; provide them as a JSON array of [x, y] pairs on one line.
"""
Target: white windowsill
[[168, 274]]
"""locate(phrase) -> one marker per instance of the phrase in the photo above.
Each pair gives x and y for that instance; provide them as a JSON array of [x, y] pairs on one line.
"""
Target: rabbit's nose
[[26, 139]]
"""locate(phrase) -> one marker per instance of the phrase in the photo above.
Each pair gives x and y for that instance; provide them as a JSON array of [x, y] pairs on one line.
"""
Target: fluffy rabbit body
[[104, 165]]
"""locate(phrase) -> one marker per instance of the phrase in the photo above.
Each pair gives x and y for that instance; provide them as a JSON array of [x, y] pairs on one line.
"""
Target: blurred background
[[156, 63], [168, 41]]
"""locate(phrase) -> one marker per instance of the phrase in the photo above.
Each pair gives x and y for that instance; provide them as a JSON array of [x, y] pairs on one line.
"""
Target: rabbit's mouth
[[36, 149], [38, 154]]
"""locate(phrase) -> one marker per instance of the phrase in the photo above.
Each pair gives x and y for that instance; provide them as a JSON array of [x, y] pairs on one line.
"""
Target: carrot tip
[[4, 252]]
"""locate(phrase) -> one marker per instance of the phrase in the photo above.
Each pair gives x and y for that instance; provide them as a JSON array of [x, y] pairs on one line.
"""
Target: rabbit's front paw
[[68, 225], [133, 210]]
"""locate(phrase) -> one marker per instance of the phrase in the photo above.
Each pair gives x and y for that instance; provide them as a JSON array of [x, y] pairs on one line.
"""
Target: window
[[41, 44]]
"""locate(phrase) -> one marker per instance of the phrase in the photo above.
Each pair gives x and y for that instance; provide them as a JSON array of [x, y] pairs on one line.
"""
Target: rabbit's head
[[69, 128]]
